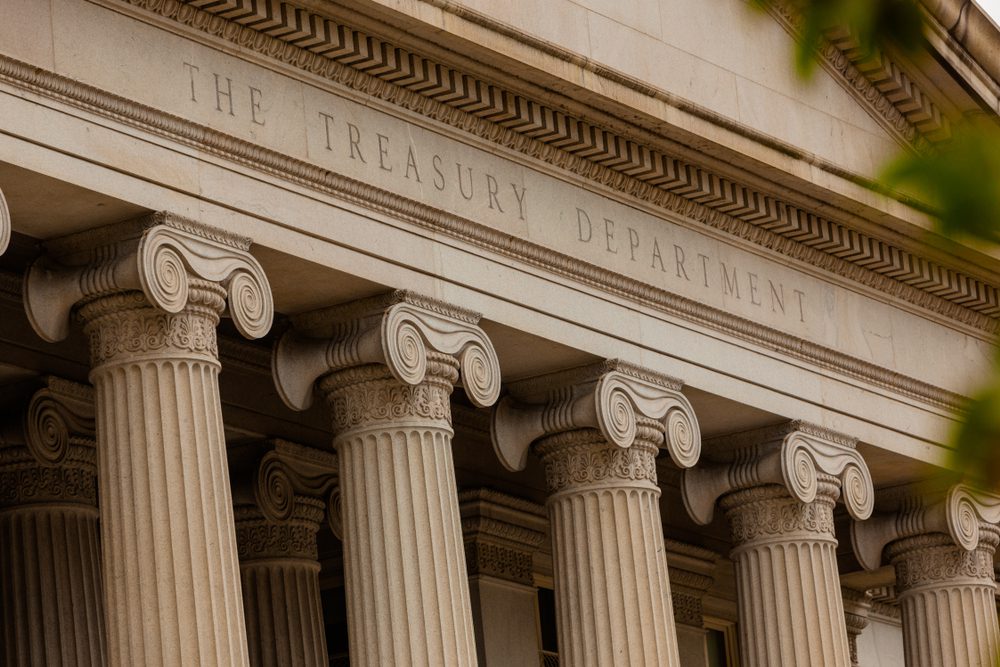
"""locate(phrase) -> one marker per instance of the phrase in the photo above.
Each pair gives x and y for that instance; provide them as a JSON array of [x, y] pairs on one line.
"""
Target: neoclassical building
[[458, 332]]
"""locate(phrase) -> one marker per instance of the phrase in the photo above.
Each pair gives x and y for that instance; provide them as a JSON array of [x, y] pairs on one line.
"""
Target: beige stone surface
[[280, 496], [597, 430], [941, 545], [778, 494], [386, 367], [433, 165], [154, 290], [502, 534], [51, 597]]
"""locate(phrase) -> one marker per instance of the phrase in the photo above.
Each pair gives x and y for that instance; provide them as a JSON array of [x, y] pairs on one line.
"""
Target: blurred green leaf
[[872, 23], [961, 182]]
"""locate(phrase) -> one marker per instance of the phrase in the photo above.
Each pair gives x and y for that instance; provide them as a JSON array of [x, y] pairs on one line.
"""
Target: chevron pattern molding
[[298, 29]]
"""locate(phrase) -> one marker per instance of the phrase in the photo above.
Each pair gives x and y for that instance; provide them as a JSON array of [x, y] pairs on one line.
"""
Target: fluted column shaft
[[404, 565], [279, 570], [947, 600], [613, 605], [170, 568], [786, 574], [51, 607]]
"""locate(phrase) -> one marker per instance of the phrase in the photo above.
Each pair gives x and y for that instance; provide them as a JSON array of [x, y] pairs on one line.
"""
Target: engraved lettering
[[383, 152], [581, 215], [219, 94], [411, 163], [491, 191], [704, 267], [657, 257], [354, 137], [777, 297], [191, 70], [679, 259], [730, 283], [633, 242], [255, 96], [754, 297], [609, 235], [327, 120], [436, 163], [461, 186], [802, 311], [520, 200]]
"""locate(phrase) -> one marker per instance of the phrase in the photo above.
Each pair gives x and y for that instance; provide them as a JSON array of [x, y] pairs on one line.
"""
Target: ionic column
[[386, 368], [280, 495], [691, 571], [942, 550], [51, 607], [502, 534], [150, 294], [4, 224], [598, 430], [857, 605], [778, 495]]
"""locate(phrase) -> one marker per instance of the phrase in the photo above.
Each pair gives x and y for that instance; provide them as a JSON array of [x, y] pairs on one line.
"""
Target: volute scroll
[[396, 330], [159, 255], [792, 455], [608, 397], [960, 512]]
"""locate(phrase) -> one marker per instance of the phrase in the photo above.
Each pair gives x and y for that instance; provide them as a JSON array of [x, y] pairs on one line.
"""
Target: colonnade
[[196, 563]]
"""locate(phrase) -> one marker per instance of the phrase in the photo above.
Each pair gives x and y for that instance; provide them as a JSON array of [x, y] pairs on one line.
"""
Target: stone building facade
[[458, 332]]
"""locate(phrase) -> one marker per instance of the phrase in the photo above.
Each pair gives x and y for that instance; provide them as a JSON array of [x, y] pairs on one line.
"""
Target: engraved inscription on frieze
[[442, 171]]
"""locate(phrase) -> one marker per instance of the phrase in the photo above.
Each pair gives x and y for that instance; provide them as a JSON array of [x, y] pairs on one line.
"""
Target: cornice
[[877, 82], [323, 47], [273, 162]]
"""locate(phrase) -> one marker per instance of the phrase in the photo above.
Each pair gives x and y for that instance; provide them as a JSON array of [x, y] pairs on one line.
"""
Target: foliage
[[960, 181]]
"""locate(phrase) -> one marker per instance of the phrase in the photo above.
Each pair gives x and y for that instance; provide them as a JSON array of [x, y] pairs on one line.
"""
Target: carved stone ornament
[[4, 224], [47, 449], [501, 534], [159, 255], [607, 396], [398, 330], [58, 412], [793, 455], [960, 514], [281, 472]]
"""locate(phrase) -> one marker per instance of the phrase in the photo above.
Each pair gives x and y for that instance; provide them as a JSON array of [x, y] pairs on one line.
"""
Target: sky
[[992, 7]]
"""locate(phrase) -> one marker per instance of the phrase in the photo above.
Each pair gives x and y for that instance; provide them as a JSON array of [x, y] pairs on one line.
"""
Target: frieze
[[440, 86], [355, 191], [499, 561]]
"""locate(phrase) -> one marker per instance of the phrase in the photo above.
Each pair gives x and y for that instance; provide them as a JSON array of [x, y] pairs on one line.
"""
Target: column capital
[[48, 445], [501, 534], [276, 473], [56, 412], [397, 330], [793, 455], [4, 224], [608, 396], [158, 254], [961, 513]]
